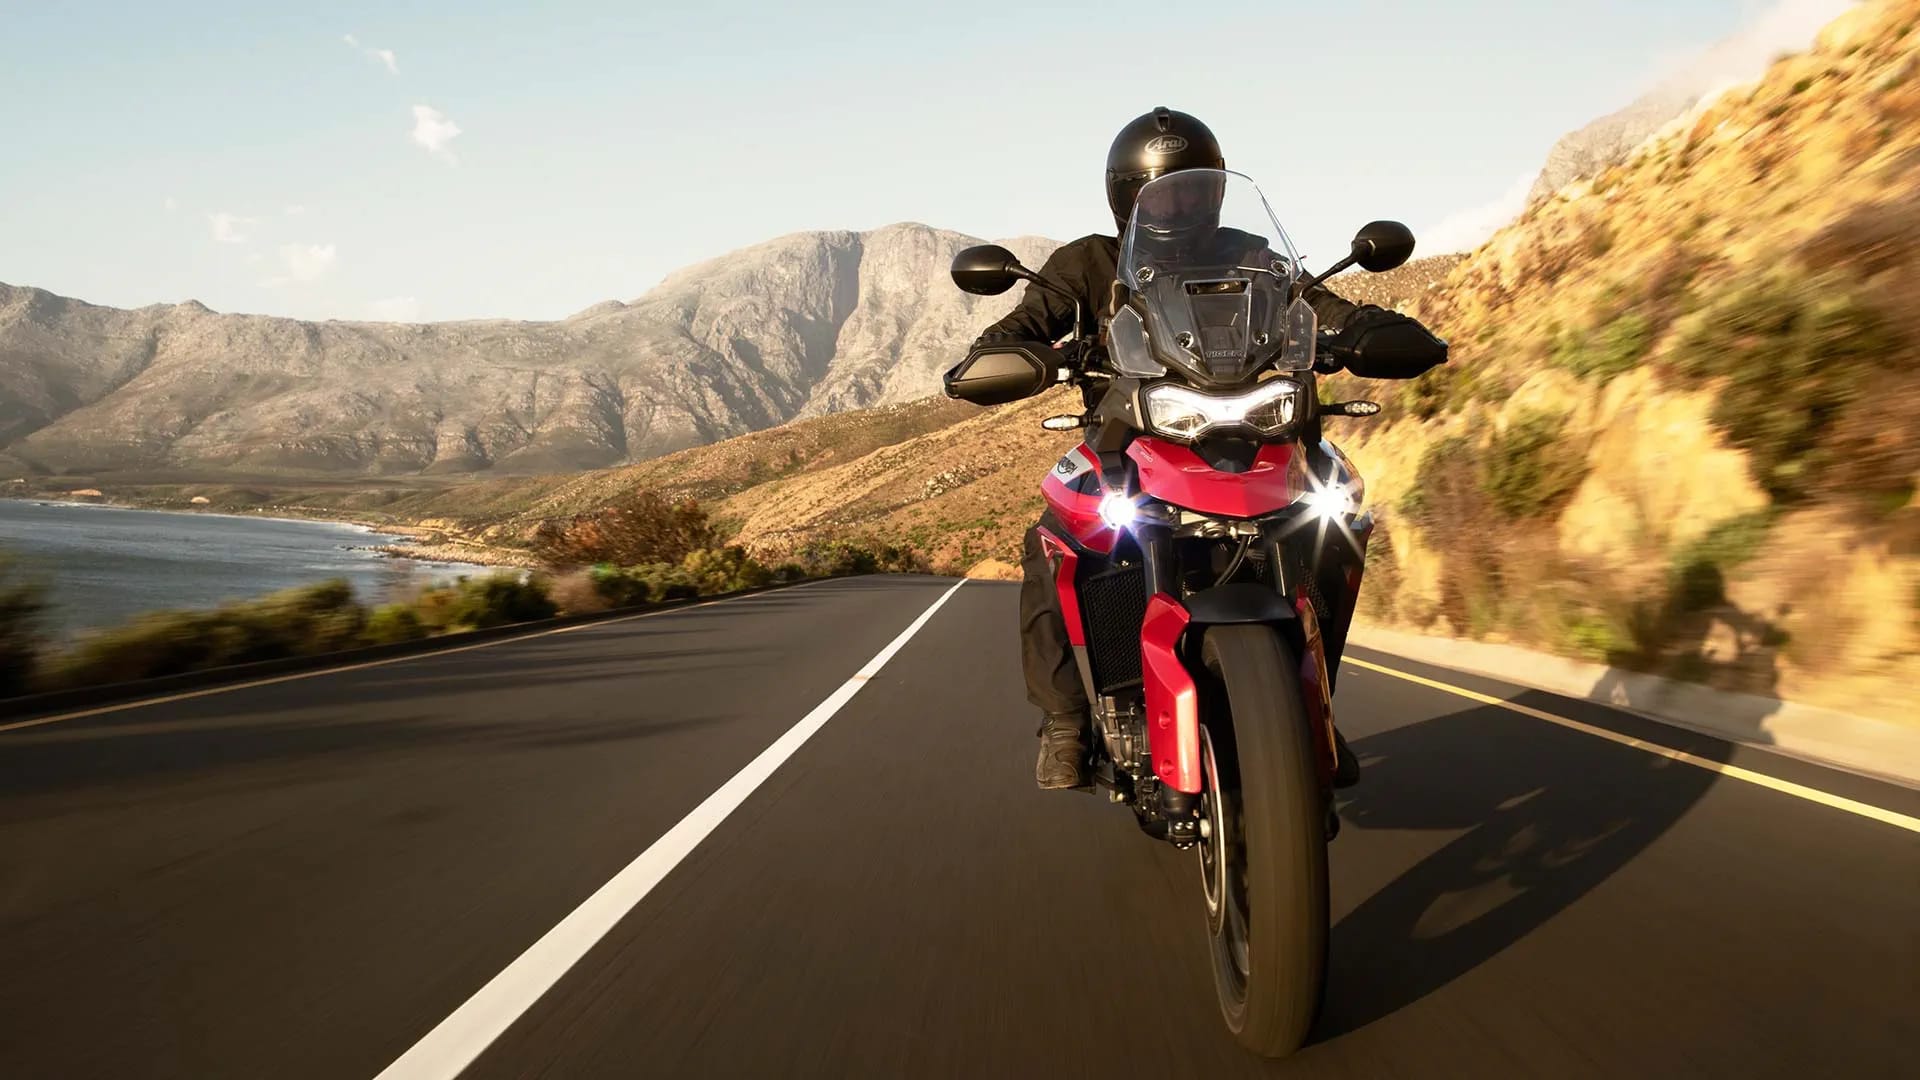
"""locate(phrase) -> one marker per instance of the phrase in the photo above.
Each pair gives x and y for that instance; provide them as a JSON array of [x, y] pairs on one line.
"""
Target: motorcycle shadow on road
[[1544, 815]]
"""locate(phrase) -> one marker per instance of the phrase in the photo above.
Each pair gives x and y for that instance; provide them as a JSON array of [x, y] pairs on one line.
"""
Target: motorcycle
[[1209, 551]]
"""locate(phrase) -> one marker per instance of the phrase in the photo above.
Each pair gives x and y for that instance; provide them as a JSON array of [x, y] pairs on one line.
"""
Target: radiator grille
[[1114, 604]]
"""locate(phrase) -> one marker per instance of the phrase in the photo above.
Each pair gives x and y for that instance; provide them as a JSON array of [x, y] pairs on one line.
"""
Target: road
[[308, 878]]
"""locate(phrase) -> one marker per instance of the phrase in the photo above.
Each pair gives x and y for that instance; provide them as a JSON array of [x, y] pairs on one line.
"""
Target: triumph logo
[[1167, 144]]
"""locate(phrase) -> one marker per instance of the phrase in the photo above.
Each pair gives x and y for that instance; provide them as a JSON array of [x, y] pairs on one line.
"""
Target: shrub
[[312, 619], [666, 581], [721, 570], [577, 593], [393, 623], [1615, 350], [1531, 468], [1441, 482], [1792, 356], [1380, 587], [495, 600], [298, 622], [1451, 386], [620, 588], [842, 558], [1594, 637], [637, 528], [22, 604]]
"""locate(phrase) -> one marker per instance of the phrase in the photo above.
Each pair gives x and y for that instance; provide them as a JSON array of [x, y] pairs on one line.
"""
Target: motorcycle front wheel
[[1263, 855]]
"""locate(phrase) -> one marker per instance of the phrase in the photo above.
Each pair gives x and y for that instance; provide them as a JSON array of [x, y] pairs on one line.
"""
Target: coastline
[[402, 542]]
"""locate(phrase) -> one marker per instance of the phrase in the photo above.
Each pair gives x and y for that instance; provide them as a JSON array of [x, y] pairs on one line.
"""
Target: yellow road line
[[1787, 787], [228, 688]]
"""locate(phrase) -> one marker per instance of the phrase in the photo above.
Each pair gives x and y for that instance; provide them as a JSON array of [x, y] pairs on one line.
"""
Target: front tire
[[1265, 859]]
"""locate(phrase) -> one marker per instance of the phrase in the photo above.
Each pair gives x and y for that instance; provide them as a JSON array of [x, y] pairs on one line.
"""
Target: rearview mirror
[[1382, 245], [987, 270]]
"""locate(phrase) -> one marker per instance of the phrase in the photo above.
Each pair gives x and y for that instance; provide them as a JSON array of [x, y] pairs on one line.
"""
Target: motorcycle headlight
[[1186, 414]]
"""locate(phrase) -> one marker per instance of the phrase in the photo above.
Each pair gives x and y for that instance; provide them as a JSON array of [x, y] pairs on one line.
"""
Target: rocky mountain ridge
[[804, 325]]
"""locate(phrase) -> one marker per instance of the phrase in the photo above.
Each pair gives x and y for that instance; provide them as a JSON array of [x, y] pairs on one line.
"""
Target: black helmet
[[1151, 146]]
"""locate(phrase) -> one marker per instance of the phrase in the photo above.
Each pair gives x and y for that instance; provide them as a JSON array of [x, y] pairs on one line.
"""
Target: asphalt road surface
[[400, 867]]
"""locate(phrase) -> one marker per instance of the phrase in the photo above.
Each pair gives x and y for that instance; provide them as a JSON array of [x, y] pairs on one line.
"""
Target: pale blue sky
[[602, 144]]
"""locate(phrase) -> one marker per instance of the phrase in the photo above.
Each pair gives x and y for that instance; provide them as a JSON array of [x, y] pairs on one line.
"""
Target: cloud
[[172, 204], [295, 210], [432, 130], [1467, 229], [227, 227], [305, 262], [395, 309], [385, 56]]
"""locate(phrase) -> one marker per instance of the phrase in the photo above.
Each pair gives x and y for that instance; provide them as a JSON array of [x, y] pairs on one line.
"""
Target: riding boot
[[1063, 751]]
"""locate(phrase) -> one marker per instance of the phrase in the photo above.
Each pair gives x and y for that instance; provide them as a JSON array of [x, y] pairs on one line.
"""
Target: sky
[[478, 160]]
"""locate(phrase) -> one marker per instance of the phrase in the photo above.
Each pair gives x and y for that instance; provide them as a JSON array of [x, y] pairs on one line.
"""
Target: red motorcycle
[[1208, 556]]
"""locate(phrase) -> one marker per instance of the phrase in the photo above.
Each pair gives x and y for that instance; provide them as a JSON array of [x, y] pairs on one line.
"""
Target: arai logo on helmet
[[1167, 144]]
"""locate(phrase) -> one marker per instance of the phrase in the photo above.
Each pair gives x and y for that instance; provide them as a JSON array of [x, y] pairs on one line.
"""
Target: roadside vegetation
[[640, 550]]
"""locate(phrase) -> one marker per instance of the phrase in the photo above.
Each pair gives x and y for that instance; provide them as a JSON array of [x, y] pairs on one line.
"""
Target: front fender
[[1243, 602]]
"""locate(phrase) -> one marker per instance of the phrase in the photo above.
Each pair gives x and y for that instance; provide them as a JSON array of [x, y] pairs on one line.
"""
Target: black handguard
[[1001, 368], [1381, 344]]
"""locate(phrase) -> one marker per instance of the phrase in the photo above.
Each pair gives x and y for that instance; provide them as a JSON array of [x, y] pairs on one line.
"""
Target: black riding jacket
[[1087, 267]]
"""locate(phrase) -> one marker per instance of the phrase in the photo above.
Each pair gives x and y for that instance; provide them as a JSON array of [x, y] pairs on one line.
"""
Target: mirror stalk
[[1030, 277]]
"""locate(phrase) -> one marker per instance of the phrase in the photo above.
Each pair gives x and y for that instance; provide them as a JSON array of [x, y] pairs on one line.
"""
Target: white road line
[[461, 1037]]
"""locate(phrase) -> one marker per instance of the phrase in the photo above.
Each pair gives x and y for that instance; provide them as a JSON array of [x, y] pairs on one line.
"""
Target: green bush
[[1445, 389], [1616, 349], [298, 622], [1594, 637], [722, 570], [496, 600], [391, 624], [1444, 475], [1531, 468], [621, 587], [1792, 355], [22, 603], [666, 581], [843, 558]]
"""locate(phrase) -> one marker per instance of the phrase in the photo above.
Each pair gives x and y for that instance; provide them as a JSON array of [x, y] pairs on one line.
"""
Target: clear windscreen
[[1212, 273]]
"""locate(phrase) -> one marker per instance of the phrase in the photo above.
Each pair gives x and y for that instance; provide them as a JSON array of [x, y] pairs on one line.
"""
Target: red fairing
[[1314, 691], [1174, 474], [1078, 513], [1063, 577], [1173, 702]]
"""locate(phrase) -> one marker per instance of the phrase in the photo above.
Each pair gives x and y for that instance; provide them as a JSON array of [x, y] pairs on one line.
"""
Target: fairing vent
[[1114, 604]]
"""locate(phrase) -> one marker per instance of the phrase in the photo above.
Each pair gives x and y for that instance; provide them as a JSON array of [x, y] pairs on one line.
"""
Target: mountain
[[1582, 153], [1680, 429], [804, 325]]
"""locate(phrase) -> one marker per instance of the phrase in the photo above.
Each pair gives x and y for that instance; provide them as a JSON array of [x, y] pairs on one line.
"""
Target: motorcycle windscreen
[[1213, 273]]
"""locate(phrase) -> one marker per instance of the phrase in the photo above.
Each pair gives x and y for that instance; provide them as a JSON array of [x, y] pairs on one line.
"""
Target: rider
[[1149, 147]]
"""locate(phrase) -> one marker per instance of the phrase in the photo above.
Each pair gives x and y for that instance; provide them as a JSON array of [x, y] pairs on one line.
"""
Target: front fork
[[1172, 697]]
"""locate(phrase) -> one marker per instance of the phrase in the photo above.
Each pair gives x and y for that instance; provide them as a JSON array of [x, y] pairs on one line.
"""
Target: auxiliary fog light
[[1330, 503], [1117, 510]]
